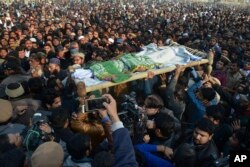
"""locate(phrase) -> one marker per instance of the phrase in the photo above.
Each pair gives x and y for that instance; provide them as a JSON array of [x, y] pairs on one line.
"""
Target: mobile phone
[[95, 104]]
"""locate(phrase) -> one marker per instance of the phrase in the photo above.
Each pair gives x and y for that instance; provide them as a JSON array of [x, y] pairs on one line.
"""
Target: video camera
[[39, 118], [132, 116], [34, 136], [129, 108]]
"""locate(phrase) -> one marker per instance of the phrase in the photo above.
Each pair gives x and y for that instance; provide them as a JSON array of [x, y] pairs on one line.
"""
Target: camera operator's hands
[[74, 116], [111, 108], [45, 128], [103, 113]]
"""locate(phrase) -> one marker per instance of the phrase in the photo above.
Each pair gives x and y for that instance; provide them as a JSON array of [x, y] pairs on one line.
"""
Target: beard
[[55, 72]]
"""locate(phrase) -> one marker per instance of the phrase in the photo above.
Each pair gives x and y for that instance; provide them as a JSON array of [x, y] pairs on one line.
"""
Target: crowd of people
[[190, 117]]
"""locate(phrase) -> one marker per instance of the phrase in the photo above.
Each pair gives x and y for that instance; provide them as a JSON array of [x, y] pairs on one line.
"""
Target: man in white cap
[[48, 154], [78, 58], [6, 113]]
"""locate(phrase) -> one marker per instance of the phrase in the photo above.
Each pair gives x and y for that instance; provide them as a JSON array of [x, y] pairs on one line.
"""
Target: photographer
[[19, 135], [90, 124], [122, 144], [39, 132], [123, 148]]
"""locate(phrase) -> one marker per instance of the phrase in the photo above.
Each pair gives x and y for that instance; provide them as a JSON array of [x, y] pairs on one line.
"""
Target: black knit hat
[[11, 65]]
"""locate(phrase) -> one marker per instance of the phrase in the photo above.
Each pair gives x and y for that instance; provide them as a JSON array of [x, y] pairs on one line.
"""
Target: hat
[[6, 110], [48, 154], [168, 41], [150, 31], [79, 24], [41, 54], [111, 40], [56, 37], [185, 34], [76, 66], [54, 61], [60, 48], [197, 41], [81, 37], [14, 90], [11, 65], [33, 40], [43, 18], [79, 54], [73, 34]]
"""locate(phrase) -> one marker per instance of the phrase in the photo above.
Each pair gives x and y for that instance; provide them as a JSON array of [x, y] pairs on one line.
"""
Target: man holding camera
[[122, 145]]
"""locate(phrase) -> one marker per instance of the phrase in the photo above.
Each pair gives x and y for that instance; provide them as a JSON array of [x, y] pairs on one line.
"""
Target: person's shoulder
[[69, 163], [167, 111], [12, 128], [63, 73], [212, 149], [15, 78]]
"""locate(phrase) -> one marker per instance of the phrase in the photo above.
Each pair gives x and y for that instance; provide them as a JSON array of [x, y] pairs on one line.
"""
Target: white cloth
[[82, 74], [85, 76], [27, 53], [167, 55]]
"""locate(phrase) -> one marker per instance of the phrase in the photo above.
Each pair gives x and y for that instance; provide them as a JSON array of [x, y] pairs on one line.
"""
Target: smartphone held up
[[95, 104]]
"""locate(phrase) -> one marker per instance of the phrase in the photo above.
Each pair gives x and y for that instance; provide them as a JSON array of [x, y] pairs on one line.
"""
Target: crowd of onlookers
[[189, 117]]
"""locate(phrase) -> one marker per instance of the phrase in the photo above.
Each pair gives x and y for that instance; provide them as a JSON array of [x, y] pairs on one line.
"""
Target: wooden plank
[[141, 75]]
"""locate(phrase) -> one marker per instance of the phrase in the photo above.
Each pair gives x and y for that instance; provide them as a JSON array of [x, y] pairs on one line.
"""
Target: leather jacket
[[206, 154]]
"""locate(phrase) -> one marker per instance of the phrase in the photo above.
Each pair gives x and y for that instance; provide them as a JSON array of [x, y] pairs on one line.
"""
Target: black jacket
[[206, 154]]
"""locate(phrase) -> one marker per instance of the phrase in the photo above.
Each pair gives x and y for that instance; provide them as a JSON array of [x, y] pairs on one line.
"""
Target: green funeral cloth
[[111, 70], [96, 93], [135, 63]]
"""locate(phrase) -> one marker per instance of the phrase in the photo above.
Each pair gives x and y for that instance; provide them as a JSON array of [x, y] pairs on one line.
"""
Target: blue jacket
[[123, 147], [151, 159], [195, 108], [199, 109]]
